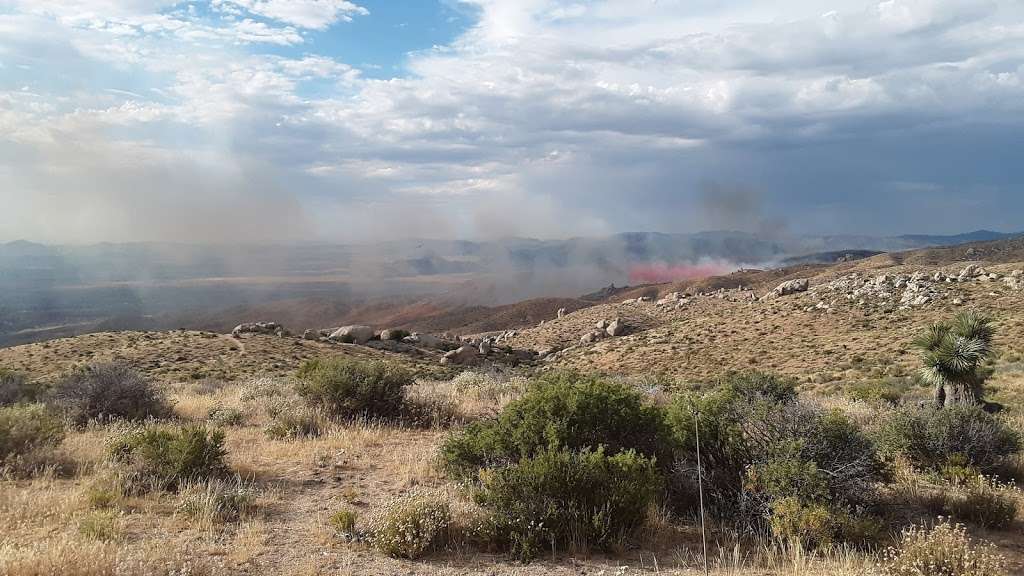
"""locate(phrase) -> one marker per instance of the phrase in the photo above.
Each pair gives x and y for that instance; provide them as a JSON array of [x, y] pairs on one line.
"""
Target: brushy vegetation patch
[[296, 422], [349, 388], [562, 410], [26, 428], [411, 526], [164, 457], [983, 501], [945, 550], [932, 438], [109, 391], [225, 416], [15, 388], [772, 460], [570, 500]]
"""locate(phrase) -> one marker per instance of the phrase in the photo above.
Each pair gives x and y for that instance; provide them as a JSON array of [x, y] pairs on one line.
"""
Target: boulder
[[424, 340], [484, 348], [561, 312], [791, 287], [601, 324], [311, 335], [355, 333], [591, 337], [970, 271], [464, 356], [616, 328], [393, 334]]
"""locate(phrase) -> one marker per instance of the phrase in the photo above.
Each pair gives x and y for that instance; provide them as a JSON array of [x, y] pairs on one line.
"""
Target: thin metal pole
[[700, 490]]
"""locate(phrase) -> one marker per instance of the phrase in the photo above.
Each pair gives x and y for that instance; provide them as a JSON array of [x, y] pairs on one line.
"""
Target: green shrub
[[560, 499], [411, 526], [105, 391], [562, 410], [944, 550], [353, 388], [814, 525], [931, 438], [225, 416], [163, 457], [759, 445], [889, 390], [344, 521], [16, 389], [27, 427]]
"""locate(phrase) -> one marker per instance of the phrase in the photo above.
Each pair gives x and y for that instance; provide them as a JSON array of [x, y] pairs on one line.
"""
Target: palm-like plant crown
[[953, 352]]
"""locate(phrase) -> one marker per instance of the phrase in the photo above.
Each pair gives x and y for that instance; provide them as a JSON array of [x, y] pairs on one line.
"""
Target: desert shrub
[[163, 457], [983, 501], [760, 444], [15, 388], [216, 501], [931, 438], [103, 492], [563, 410], [100, 525], [816, 525], [225, 416], [27, 427], [410, 526], [295, 422], [561, 499], [353, 388], [889, 390], [259, 388], [104, 391], [945, 550], [753, 386], [344, 521]]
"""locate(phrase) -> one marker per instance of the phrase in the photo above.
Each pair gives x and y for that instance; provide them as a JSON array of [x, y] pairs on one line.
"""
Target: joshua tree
[[954, 354]]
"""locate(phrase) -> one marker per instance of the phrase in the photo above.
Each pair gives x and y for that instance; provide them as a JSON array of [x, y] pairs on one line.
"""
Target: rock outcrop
[[355, 334]]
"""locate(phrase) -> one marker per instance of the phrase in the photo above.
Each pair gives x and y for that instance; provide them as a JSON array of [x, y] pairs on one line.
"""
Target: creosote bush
[[773, 460], [350, 388], [944, 550], [411, 526], [562, 410], [109, 391], [932, 438], [562, 499], [164, 457], [25, 428]]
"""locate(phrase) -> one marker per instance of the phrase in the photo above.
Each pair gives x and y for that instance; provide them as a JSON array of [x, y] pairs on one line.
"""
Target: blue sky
[[350, 120]]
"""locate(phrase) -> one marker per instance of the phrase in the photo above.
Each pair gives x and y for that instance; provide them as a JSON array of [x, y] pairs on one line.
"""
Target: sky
[[360, 121]]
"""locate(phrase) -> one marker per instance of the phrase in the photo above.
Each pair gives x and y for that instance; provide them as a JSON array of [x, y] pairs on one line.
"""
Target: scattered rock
[[259, 328], [591, 337]]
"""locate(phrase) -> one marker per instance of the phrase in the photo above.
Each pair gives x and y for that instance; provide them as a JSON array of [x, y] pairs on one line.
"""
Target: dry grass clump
[[984, 501], [67, 555], [944, 550], [216, 501]]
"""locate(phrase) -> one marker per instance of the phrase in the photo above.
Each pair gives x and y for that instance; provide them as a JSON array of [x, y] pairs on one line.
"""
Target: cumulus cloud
[[545, 117]]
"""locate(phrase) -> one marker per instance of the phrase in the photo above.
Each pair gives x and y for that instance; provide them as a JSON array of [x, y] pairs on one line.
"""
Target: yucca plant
[[954, 355]]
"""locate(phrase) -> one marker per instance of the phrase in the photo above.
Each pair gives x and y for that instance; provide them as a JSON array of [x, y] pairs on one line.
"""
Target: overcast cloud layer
[[237, 120]]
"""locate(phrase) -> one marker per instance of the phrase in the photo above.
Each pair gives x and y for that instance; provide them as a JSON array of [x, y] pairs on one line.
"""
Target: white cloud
[[559, 105], [313, 14]]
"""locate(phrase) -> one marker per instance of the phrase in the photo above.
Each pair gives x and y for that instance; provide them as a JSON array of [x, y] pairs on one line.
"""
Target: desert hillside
[[308, 487]]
